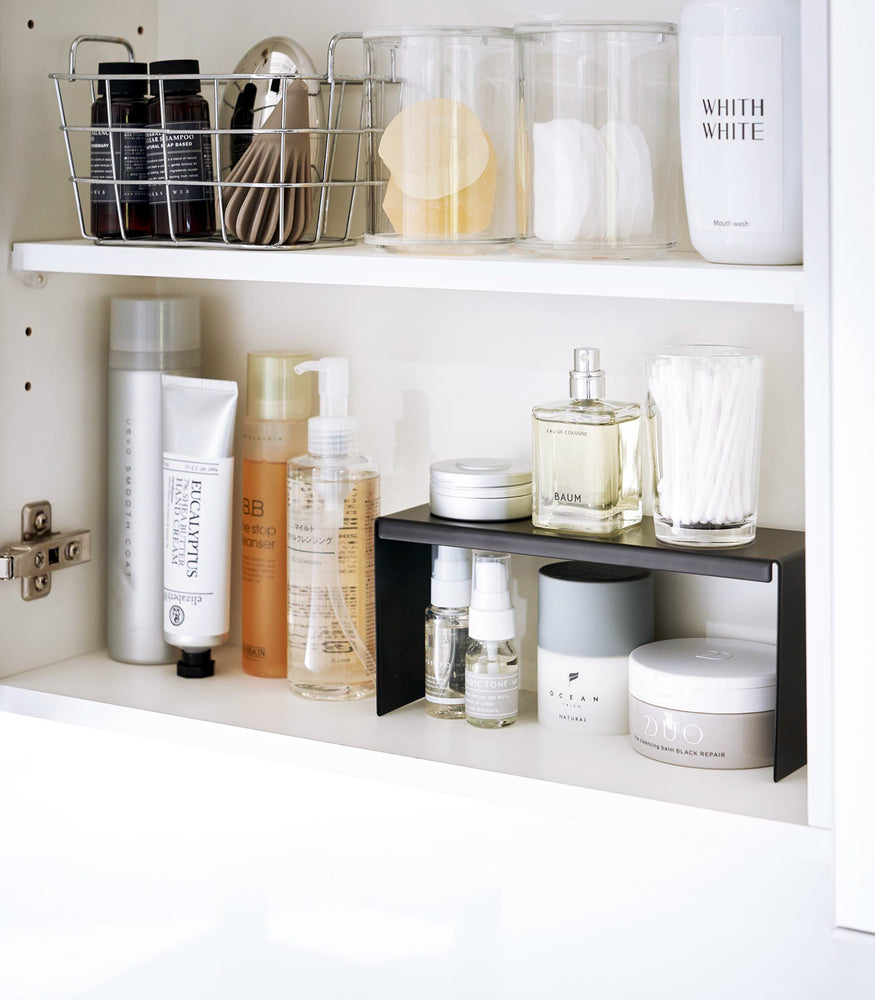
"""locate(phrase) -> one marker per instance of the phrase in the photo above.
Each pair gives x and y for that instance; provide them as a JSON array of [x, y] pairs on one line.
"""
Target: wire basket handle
[[103, 39], [342, 36]]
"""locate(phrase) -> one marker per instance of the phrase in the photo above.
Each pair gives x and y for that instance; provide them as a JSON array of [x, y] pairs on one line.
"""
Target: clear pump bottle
[[446, 632], [334, 499], [278, 404], [585, 475], [492, 671]]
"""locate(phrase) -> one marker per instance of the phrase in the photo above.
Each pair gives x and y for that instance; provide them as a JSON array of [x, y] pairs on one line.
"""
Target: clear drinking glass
[[704, 415], [442, 102], [597, 145]]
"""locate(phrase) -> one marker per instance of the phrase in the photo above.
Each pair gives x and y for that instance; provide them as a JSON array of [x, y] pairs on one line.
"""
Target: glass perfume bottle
[[446, 633], [585, 474], [492, 670]]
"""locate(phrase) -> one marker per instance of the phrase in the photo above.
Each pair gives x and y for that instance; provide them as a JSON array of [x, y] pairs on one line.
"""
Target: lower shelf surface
[[69, 690]]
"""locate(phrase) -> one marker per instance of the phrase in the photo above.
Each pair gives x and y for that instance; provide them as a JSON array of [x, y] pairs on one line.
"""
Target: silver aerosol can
[[147, 338]]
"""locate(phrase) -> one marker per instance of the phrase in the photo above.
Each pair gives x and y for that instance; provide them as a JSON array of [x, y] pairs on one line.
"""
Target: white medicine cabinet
[[448, 355]]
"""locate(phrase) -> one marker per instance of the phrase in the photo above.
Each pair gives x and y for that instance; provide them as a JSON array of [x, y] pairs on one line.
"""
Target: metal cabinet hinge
[[41, 551]]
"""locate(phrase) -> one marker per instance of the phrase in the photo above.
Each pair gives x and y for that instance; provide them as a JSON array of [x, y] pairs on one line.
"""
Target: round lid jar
[[481, 489], [716, 676]]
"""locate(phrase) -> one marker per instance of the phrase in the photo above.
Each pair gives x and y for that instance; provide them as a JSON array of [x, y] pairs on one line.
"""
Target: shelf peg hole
[[28, 331], [31, 24], [140, 29], [27, 386]]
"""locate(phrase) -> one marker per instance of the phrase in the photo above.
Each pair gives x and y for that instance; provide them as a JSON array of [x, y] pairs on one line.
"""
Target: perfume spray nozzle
[[587, 380], [586, 359]]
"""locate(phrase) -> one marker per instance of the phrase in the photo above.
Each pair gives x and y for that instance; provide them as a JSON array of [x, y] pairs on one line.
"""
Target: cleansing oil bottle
[[334, 499], [492, 670], [278, 404]]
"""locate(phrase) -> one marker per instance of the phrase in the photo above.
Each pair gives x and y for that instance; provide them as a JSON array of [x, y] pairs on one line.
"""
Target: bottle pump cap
[[450, 577], [332, 432], [491, 616], [587, 379], [273, 392]]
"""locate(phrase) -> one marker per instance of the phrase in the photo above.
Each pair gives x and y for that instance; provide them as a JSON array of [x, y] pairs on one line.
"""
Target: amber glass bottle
[[278, 403], [189, 154], [130, 215]]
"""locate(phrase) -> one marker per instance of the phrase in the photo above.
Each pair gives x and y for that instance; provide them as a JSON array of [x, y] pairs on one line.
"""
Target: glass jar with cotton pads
[[442, 102], [481, 489], [704, 416], [704, 702], [598, 155]]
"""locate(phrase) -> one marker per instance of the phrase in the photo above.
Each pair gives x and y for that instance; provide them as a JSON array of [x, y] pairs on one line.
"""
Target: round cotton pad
[[561, 181], [642, 224], [435, 148], [462, 214], [594, 158]]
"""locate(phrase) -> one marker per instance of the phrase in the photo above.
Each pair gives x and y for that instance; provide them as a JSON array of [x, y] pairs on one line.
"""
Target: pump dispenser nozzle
[[332, 432]]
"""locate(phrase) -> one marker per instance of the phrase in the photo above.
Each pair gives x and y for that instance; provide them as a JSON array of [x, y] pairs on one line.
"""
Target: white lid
[[491, 616], [479, 473], [450, 577], [721, 676]]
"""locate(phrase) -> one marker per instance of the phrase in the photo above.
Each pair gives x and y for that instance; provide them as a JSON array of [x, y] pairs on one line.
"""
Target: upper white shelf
[[680, 277], [602, 777]]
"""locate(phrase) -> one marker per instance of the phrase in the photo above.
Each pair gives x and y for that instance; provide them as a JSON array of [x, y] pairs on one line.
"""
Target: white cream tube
[[198, 427]]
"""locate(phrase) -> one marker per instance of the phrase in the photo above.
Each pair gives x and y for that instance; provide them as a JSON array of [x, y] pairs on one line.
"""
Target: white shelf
[[241, 714], [680, 277]]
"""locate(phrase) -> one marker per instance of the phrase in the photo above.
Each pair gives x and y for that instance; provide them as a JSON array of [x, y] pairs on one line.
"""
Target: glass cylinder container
[[442, 103], [597, 145], [704, 414]]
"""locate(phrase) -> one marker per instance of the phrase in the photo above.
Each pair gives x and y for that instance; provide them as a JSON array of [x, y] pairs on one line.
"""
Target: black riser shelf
[[403, 570]]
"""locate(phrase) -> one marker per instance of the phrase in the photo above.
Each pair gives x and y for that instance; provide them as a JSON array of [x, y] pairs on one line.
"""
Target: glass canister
[[598, 151], [441, 101], [704, 414]]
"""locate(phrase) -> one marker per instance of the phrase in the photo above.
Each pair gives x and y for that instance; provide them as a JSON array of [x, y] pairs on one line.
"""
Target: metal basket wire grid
[[338, 171]]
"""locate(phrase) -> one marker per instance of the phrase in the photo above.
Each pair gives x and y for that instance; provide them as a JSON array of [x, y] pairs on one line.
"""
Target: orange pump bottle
[[278, 405]]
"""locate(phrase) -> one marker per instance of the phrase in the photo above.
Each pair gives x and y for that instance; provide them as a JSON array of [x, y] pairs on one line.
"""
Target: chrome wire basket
[[337, 172]]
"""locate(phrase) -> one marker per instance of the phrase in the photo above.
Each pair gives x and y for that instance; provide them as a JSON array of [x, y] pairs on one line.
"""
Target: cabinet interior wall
[[434, 373]]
